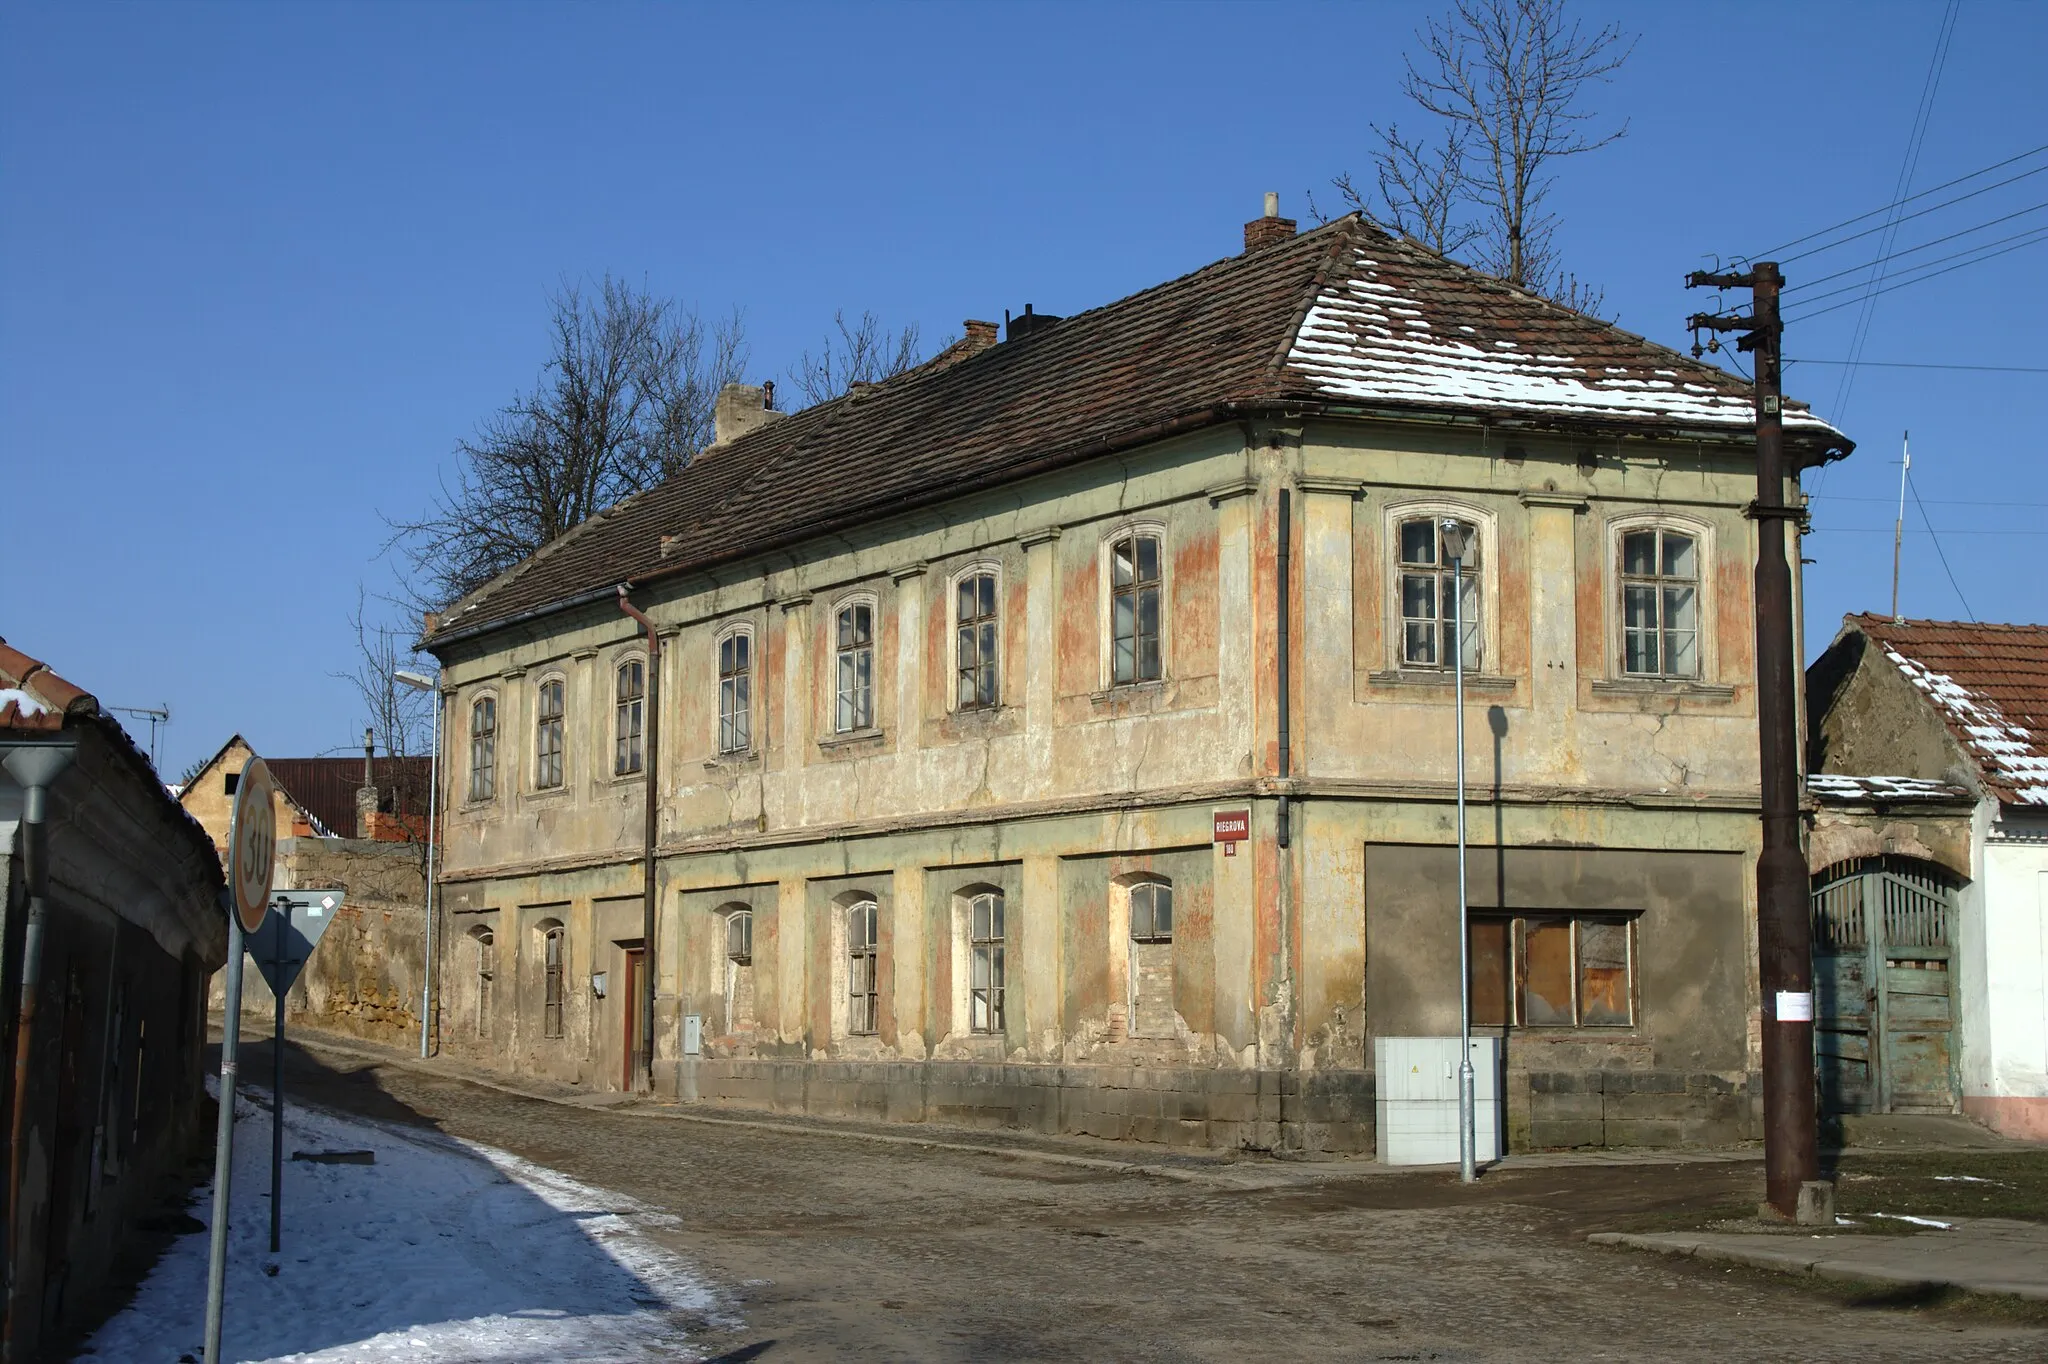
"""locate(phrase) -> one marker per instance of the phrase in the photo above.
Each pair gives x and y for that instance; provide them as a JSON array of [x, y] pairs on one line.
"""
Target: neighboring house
[[358, 824], [110, 900], [1929, 752], [970, 678]]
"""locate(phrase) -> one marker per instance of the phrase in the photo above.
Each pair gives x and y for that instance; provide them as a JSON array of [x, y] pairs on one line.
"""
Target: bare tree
[[399, 717], [1504, 81], [625, 400], [863, 353]]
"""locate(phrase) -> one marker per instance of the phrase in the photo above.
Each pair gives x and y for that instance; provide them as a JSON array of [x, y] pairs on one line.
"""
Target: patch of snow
[[28, 705], [2010, 755], [1916, 1221], [1835, 785], [442, 1250], [1972, 1179]]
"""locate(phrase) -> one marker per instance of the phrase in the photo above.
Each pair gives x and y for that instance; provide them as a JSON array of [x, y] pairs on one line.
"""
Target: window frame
[[734, 736], [1702, 534], [989, 661], [1468, 577], [486, 940], [554, 982], [1516, 957], [1152, 886], [1486, 539], [986, 1002], [1110, 592], [863, 1007], [489, 746], [637, 714], [863, 719], [555, 726], [745, 919]]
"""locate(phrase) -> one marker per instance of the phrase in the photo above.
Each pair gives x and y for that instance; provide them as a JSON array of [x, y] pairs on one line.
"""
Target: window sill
[[1660, 686], [1436, 678], [1134, 695], [853, 738], [736, 761]]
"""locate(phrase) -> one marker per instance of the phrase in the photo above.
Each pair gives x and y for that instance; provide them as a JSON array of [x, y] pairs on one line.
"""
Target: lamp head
[[417, 681], [1457, 538]]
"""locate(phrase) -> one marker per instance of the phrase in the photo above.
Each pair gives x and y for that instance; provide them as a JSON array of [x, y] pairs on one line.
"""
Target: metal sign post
[[252, 848], [291, 930]]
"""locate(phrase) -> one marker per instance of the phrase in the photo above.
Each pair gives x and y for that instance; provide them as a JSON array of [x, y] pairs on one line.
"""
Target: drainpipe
[[35, 767], [1286, 746], [651, 765]]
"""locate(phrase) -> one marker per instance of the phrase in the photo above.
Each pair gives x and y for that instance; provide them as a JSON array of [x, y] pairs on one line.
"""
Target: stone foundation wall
[[1549, 1110]]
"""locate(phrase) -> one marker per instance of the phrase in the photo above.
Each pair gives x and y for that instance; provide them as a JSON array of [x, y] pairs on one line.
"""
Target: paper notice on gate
[[1795, 1006]]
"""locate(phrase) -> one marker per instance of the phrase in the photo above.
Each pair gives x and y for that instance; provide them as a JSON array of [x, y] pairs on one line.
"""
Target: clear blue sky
[[262, 265]]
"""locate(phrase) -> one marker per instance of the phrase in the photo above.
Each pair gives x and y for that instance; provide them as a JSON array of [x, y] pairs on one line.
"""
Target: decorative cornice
[[1222, 493], [1548, 498], [909, 571], [1342, 487], [791, 603], [1044, 535], [583, 655]]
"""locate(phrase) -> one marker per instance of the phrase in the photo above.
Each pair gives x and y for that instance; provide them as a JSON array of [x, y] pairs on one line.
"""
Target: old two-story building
[[1928, 746], [970, 680]]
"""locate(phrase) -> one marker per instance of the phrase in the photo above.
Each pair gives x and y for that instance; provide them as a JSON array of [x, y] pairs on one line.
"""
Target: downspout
[[1286, 745], [35, 767], [652, 766]]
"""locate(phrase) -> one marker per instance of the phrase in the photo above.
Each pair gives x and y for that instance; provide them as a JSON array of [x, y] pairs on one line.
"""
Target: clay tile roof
[[1346, 315], [34, 698], [1990, 685]]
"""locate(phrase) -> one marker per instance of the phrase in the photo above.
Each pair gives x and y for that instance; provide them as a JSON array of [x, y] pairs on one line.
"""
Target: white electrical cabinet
[[1417, 1103]]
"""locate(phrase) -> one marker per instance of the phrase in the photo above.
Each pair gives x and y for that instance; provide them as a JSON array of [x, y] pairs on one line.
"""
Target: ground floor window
[[1553, 970]]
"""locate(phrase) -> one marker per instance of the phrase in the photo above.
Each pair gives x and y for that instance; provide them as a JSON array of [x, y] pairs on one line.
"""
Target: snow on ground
[[442, 1250]]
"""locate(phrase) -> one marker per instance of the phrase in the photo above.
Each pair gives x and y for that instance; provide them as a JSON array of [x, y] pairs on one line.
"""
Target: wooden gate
[[1884, 1013]]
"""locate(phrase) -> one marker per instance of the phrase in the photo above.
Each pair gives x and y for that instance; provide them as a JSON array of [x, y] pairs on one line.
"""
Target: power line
[[1939, 552], [1937, 501], [1917, 279], [1885, 208], [1938, 260], [1993, 222], [1887, 530], [1908, 364], [1918, 213]]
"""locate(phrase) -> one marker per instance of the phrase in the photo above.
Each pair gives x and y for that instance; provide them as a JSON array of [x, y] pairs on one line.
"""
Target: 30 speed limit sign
[[252, 846]]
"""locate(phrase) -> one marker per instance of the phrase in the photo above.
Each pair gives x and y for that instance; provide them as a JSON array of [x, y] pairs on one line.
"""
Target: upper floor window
[[483, 748], [547, 735], [862, 973], [856, 655], [976, 621], [1428, 598], [985, 963], [736, 692], [1660, 627], [630, 712], [1134, 609]]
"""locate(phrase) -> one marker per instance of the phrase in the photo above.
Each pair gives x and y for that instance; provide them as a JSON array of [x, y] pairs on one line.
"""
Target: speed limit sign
[[252, 845]]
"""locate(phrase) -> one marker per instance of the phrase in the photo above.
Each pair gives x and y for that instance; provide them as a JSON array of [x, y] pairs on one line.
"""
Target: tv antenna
[[157, 716]]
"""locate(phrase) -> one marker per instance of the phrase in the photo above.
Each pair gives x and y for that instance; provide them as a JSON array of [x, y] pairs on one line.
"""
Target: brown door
[[630, 1003]]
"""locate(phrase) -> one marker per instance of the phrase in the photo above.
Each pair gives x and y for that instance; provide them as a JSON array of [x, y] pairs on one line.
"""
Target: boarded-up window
[[1553, 971]]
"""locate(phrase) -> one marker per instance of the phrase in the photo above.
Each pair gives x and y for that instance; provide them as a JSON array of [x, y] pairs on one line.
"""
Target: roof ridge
[[1917, 622]]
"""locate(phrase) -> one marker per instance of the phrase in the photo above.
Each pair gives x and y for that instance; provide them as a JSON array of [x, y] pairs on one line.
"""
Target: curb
[[1818, 1261]]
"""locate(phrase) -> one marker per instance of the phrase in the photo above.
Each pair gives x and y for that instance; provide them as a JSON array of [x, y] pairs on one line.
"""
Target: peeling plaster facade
[[1590, 791]]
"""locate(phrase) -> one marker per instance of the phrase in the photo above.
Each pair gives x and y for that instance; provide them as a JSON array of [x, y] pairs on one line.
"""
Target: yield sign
[[290, 932]]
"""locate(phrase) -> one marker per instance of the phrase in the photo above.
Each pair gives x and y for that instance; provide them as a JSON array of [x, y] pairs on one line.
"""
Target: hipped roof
[[1347, 317]]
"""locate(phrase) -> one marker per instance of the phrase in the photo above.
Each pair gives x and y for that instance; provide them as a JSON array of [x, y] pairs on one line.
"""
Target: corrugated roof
[[325, 788], [1344, 315], [1990, 685]]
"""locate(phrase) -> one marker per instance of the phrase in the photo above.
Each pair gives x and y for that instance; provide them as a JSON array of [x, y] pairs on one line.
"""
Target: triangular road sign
[[290, 932]]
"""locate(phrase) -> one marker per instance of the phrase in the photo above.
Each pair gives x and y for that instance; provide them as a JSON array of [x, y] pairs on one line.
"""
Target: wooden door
[[1884, 1008], [629, 1003]]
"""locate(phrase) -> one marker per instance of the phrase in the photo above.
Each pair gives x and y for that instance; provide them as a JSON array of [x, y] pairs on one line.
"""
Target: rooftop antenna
[[160, 715], [1899, 526]]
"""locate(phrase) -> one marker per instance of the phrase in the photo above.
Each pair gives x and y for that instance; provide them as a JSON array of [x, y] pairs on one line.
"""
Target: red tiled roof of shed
[[1990, 685], [34, 698]]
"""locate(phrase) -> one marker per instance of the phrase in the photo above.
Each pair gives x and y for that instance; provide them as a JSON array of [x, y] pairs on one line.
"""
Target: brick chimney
[[366, 794], [741, 408], [1270, 229], [980, 336]]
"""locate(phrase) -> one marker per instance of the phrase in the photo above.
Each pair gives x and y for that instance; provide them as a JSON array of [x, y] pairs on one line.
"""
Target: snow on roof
[[1367, 336], [1833, 786], [1990, 685]]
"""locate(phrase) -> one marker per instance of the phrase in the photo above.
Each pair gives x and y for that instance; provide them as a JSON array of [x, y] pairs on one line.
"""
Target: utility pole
[[1784, 942]]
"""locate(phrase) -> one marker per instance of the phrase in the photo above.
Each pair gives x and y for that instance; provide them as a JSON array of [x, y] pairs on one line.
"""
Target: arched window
[[736, 692], [1660, 625], [739, 937], [1427, 595], [856, 658], [1151, 912], [862, 975], [483, 748], [629, 710], [486, 975], [978, 640], [739, 969], [547, 735], [554, 983], [985, 963], [1134, 610]]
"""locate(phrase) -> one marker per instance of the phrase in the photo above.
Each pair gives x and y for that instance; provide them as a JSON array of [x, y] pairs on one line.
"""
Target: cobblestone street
[[829, 1245]]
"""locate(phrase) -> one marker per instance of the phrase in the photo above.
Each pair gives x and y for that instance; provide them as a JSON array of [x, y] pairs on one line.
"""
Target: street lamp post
[[421, 682], [1457, 540]]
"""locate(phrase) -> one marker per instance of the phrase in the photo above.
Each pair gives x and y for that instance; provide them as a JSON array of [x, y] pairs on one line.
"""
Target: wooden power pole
[[1784, 942]]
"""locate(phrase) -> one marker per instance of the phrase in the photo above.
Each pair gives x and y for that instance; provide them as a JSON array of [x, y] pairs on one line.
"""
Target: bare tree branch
[[864, 353], [398, 716], [1421, 188], [624, 401]]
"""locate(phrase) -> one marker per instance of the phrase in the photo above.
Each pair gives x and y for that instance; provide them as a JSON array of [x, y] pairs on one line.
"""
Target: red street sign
[[1233, 826]]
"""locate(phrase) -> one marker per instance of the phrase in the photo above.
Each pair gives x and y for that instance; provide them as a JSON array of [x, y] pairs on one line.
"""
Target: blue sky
[[262, 266]]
